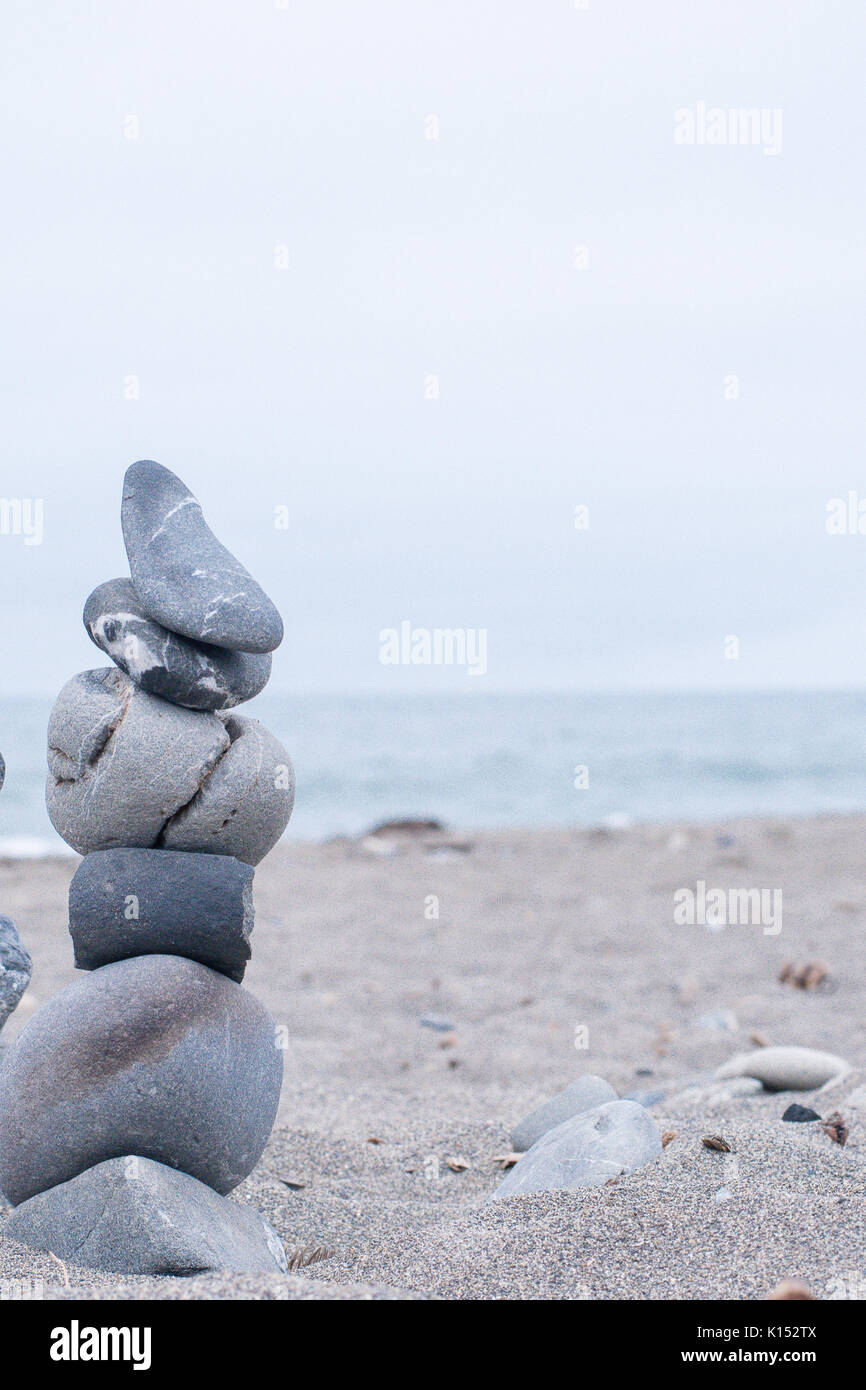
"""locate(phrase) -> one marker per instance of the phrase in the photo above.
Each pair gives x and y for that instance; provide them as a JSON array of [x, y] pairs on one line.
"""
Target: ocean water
[[510, 760]]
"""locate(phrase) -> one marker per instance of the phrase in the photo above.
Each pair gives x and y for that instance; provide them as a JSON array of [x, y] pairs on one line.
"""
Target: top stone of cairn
[[184, 578]]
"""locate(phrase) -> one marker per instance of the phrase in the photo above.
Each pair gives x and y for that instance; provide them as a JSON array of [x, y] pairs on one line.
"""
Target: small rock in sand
[[716, 1095], [799, 1115], [786, 1068], [584, 1094], [438, 1022], [586, 1151]]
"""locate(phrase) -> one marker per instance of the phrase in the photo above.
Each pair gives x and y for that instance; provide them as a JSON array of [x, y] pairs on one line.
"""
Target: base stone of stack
[[136, 902], [133, 1216], [157, 1056]]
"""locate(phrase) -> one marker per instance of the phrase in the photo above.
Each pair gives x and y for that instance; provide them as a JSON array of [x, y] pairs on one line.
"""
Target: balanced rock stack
[[145, 1091]]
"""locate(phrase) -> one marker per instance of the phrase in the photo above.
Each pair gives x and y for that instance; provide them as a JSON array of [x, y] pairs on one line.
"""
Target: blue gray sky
[[243, 239]]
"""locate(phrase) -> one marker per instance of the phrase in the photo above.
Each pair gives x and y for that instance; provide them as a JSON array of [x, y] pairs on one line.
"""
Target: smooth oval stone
[[193, 674], [245, 803], [184, 577], [121, 762], [156, 1056], [130, 1215], [137, 902], [786, 1068], [16, 968], [583, 1094], [587, 1150]]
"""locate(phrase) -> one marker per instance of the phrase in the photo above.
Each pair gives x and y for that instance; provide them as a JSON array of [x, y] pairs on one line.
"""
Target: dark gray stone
[[156, 1056], [244, 804], [800, 1115], [2, 771], [194, 674], [186, 580], [587, 1150], [127, 768], [130, 1215], [137, 902], [16, 967], [583, 1094]]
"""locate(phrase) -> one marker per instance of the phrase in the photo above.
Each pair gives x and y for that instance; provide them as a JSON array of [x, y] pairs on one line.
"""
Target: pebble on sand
[[584, 1094], [786, 1068], [586, 1151]]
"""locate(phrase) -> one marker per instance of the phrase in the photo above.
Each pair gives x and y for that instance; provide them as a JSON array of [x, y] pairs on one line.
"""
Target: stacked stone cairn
[[139, 1096]]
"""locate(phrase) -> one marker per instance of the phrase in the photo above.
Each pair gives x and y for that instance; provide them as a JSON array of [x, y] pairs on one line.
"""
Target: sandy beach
[[532, 957]]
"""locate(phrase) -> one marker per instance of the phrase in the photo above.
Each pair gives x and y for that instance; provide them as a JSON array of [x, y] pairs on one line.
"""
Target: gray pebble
[[786, 1068], [136, 902], [185, 579], [157, 1056], [438, 1022], [587, 1150], [583, 1094], [194, 674], [130, 1215], [16, 967], [127, 768]]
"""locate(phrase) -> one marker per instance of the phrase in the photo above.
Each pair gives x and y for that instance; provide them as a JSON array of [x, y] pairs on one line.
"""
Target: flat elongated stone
[[245, 803], [586, 1150], [582, 1094], [136, 902], [16, 967], [185, 578], [122, 762], [786, 1068], [194, 674], [156, 1056], [130, 1215]]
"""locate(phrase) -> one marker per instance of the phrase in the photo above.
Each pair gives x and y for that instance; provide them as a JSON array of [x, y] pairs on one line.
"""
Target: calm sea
[[515, 760]]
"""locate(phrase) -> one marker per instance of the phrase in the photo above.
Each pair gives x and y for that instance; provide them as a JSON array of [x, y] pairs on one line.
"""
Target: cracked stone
[[130, 1215], [16, 967], [184, 577], [129, 769], [194, 674], [136, 902], [156, 1056], [122, 762], [244, 804]]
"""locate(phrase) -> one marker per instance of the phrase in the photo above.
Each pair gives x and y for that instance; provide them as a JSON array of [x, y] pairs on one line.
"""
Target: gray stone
[[156, 1056], [244, 804], [137, 902], [122, 762], [583, 1094], [786, 1068], [16, 967], [2, 770], [130, 1215], [194, 674], [127, 768], [185, 579], [586, 1150], [715, 1095]]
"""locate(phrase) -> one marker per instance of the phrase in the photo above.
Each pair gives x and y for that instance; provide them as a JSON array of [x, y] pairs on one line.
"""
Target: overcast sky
[[242, 238]]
